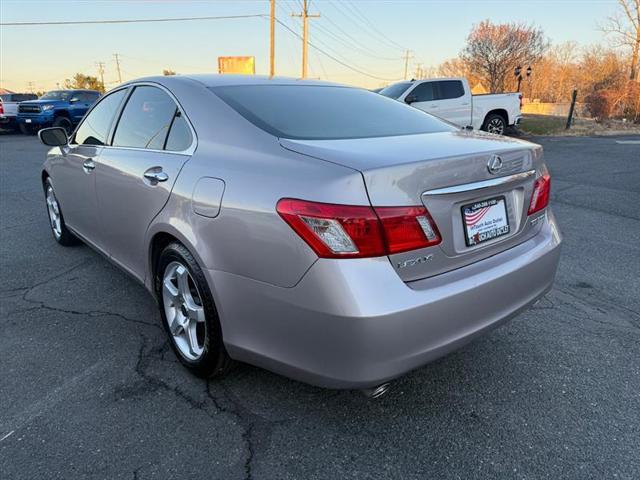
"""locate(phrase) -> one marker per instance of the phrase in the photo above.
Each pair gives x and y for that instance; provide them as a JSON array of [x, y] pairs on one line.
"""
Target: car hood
[[44, 102]]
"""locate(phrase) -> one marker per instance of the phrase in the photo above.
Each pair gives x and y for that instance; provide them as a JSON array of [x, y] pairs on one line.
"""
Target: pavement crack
[[256, 429], [151, 383], [39, 304]]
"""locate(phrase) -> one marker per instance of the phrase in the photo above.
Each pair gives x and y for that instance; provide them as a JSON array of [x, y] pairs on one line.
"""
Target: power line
[[371, 24], [351, 67], [137, 20], [352, 45], [357, 44], [342, 9]]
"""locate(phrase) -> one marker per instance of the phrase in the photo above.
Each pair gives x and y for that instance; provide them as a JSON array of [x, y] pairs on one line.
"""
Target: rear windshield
[[313, 112], [394, 91]]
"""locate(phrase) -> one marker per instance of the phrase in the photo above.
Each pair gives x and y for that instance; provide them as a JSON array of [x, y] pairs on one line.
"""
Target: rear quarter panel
[[248, 237]]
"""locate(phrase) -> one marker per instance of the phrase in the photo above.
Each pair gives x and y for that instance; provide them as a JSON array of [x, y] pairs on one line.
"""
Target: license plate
[[27, 120], [485, 220]]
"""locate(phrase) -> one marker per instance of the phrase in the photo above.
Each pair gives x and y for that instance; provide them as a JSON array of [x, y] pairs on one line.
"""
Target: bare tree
[[624, 28], [494, 50]]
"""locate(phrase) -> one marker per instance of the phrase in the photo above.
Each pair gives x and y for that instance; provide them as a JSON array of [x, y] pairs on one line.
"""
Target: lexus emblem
[[494, 165]]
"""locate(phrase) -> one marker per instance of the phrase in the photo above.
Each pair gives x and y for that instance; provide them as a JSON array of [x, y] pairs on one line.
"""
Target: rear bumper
[[517, 120], [355, 324]]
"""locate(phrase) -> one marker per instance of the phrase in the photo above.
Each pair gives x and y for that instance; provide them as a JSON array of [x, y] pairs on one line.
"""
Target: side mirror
[[54, 136], [409, 99]]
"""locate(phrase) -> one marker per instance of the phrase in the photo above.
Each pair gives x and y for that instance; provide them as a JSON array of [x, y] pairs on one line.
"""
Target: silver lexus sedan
[[323, 232]]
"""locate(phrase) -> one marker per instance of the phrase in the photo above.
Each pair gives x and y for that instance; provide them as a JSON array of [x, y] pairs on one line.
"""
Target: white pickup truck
[[452, 100], [9, 107]]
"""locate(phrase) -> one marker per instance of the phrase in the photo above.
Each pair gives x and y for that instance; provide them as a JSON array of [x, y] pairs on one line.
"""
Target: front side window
[[146, 119], [86, 97], [95, 127], [424, 92], [326, 112], [450, 89]]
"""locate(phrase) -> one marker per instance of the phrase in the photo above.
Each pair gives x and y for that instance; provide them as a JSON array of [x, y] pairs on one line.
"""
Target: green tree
[[80, 80]]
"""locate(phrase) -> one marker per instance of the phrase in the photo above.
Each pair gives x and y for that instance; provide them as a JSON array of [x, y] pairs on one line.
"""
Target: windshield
[[314, 112], [57, 95], [394, 91]]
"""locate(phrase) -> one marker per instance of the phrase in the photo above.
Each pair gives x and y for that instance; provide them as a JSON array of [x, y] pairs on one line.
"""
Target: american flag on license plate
[[472, 218]]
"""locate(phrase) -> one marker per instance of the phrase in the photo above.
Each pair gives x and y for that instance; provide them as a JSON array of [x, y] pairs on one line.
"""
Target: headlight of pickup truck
[[47, 107]]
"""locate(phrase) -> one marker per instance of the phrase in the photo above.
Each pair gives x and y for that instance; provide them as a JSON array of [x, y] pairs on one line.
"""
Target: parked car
[[9, 108], [59, 108], [324, 232], [452, 100]]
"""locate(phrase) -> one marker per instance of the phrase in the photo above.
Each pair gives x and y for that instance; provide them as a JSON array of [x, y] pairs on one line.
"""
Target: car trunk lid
[[445, 172]]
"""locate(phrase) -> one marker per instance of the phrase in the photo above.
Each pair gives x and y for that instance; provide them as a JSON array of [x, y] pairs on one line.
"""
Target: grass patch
[[542, 124], [550, 125]]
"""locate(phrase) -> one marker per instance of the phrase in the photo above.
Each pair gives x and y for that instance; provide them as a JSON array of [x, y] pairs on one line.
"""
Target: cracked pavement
[[89, 387]]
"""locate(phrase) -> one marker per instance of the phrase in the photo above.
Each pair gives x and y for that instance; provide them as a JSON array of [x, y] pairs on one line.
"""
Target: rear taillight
[[540, 195], [1, 109], [347, 231], [407, 228]]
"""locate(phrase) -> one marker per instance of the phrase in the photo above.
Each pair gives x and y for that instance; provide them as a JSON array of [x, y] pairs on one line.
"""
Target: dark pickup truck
[[59, 108]]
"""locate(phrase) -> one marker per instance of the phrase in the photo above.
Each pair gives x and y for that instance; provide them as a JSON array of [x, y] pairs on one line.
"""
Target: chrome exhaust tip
[[376, 392]]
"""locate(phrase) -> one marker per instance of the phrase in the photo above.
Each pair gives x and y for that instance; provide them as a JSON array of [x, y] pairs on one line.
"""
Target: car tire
[[495, 123], [188, 312], [65, 123], [59, 229]]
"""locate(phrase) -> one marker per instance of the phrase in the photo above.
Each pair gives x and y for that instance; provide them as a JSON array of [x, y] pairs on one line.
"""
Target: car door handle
[[88, 165], [156, 176]]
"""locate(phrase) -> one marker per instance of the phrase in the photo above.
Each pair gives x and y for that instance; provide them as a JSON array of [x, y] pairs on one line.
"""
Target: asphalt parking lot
[[89, 387]]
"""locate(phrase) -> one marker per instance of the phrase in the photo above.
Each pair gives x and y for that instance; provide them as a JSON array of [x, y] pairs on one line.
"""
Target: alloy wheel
[[496, 125], [54, 212], [184, 310]]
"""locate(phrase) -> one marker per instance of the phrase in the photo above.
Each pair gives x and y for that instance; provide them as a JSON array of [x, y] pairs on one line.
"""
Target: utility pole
[[305, 35], [100, 66], [30, 86], [115, 55], [419, 72], [272, 38], [407, 57]]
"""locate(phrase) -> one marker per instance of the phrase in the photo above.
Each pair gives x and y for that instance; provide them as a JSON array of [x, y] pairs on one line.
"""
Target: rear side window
[[424, 92], [450, 89], [146, 119], [326, 112], [95, 127], [180, 137]]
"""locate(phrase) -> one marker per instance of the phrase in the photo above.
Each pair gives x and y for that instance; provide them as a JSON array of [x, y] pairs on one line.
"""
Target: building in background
[[242, 65]]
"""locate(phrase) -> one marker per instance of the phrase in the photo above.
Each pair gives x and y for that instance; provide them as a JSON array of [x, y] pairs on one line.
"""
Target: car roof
[[212, 80]]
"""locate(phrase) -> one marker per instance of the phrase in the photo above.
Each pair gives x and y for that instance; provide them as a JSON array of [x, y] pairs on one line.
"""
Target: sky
[[368, 37]]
